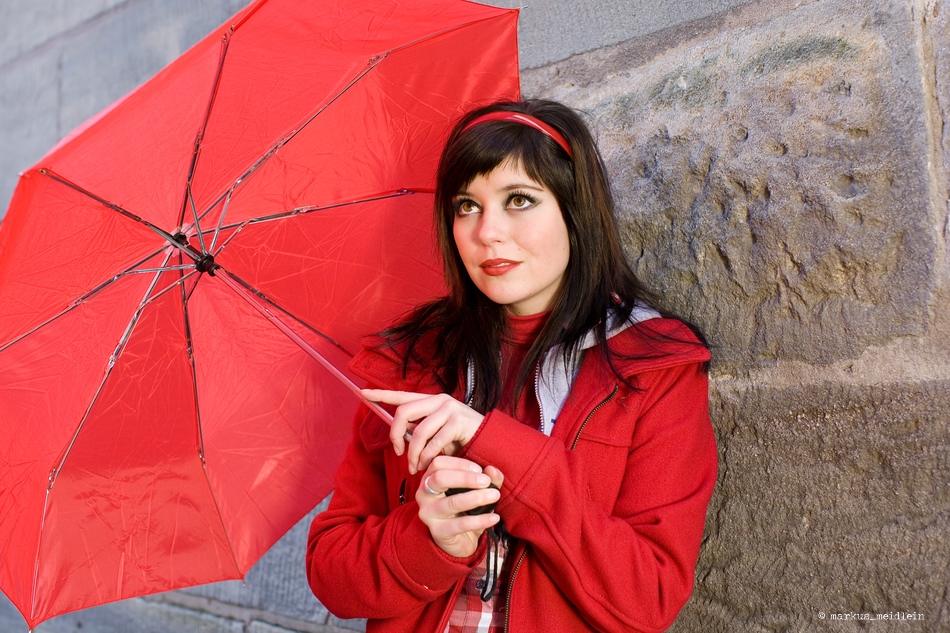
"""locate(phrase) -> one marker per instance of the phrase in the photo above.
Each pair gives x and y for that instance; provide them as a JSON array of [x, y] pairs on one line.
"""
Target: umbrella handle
[[304, 345]]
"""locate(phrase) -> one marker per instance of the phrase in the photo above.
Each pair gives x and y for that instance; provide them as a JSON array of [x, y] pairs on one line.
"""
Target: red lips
[[497, 267]]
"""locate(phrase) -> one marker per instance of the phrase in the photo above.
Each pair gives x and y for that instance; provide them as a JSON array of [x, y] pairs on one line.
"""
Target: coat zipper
[[511, 582], [591, 414], [514, 572], [537, 397]]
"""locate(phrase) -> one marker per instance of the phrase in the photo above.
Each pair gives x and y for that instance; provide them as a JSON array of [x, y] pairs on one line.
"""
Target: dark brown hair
[[597, 282]]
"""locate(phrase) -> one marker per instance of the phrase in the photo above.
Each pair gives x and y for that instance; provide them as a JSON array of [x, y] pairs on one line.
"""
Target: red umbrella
[[158, 430]]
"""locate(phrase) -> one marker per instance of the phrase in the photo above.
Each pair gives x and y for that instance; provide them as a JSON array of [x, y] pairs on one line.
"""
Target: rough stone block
[[936, 19], [831, 499], [772, 177], [554, 29]]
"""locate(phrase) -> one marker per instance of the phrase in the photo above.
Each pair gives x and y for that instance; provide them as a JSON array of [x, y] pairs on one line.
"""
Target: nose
[[492, 227]]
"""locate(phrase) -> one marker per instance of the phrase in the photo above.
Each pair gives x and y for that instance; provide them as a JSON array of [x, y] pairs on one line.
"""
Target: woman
[[544, 383]]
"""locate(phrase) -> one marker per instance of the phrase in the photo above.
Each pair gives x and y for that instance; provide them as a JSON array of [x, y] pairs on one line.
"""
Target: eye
[[465, 206], [520, 201]]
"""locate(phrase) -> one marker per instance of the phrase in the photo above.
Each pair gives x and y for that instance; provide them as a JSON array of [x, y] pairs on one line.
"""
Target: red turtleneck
[[522, 332]]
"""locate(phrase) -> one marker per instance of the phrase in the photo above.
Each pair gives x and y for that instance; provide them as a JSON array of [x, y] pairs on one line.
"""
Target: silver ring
[[407, 436], [425, 484]]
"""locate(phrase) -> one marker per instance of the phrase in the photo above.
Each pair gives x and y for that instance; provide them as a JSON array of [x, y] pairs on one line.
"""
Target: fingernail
[[475, 468], [494, 494], [483, 480]]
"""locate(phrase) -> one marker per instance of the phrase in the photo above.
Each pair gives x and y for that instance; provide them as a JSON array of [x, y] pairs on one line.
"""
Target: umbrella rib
[[372, 63], [263, 297], [247, 292], [102, 201], [189, 342], [57, 469], [443, 32], [312, 208], [75, 303], [224, 211], [112, 362], [199, 137], [168, 237]]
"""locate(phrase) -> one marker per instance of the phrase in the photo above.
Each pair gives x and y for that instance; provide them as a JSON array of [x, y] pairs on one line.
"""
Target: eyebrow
[[511, 187]]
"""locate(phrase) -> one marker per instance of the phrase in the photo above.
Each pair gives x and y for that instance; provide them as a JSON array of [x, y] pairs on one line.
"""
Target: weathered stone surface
[[779, 167], [554, 29], [936, 20], [831, 499], [772, 179]]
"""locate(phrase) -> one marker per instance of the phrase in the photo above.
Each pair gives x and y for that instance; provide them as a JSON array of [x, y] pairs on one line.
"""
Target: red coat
[[608, 511]]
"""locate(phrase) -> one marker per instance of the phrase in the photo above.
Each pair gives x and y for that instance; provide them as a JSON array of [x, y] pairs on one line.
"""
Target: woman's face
[[512, 239]]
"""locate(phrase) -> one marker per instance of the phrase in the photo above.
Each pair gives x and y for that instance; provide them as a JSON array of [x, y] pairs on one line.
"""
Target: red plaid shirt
[[471, 614]]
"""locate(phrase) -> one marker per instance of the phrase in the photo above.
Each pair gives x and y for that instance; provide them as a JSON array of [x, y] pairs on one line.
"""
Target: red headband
[[523, 119]]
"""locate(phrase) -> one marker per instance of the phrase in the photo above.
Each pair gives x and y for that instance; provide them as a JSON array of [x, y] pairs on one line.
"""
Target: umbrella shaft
[[304, 345]]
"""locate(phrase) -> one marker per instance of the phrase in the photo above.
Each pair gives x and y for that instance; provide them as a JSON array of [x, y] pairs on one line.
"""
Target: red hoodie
[[608, 511]]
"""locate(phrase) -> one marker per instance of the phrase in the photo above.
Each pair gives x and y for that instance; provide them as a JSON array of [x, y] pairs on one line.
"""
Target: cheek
[[557, 243]]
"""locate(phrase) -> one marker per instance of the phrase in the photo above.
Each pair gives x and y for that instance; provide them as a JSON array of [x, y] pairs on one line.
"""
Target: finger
[[440, 481], [464, 474], [443, 430], [448, 462], [442, 443], [464, 502], [397, 435], [446, 529], [397, 398], [436, 431], [497, 477], [424, 433]]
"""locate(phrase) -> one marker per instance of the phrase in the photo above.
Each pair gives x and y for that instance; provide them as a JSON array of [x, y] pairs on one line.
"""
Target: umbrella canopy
[[156, 429]]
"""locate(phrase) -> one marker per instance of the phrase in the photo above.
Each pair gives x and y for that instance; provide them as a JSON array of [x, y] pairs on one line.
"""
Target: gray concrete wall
[[781, 169]]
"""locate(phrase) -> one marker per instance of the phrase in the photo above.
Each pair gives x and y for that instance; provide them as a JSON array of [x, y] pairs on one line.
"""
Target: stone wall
[[782, 178], [781, 172]]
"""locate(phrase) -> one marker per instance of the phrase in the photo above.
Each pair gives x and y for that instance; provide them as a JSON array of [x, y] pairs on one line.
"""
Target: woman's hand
[[455, 532], [439, 423]]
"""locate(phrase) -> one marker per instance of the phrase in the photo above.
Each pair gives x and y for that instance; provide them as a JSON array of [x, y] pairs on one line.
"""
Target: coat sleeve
[[365, 561], [628, 567]]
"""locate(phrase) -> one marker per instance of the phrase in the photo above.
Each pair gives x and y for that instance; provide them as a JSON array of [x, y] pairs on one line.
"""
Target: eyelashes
[[521, 200], [517, 201], [464, 206]]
